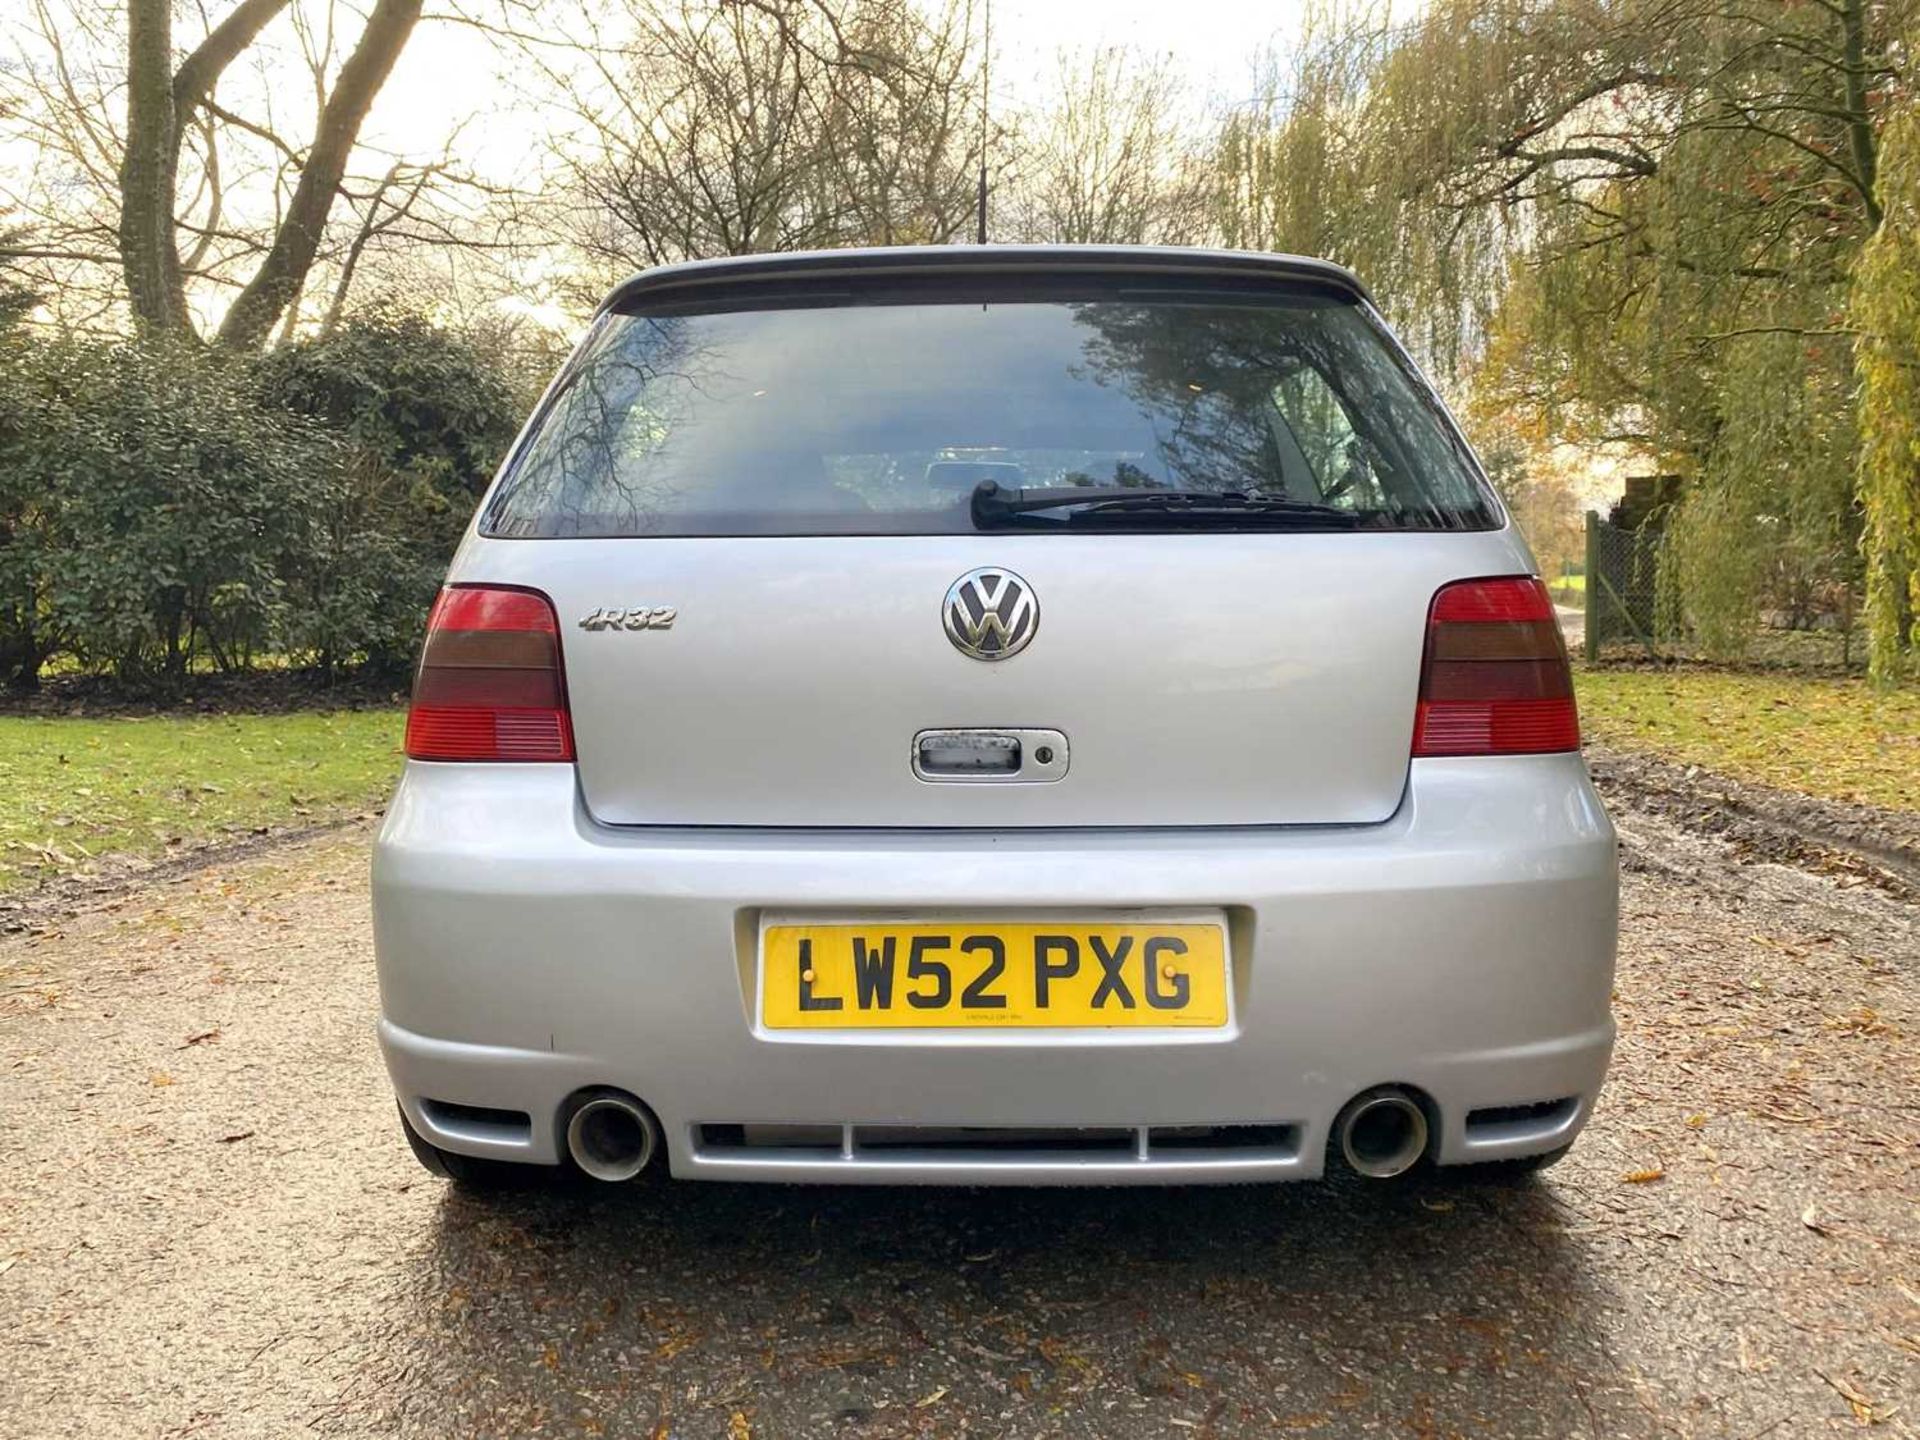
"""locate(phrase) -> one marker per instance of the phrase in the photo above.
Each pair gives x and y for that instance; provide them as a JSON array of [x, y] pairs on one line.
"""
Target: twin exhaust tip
[[1382, 1132], [611, 1136]]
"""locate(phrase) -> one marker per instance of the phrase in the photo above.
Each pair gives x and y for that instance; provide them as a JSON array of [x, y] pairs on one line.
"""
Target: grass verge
[[81, 794], [1568, 590], [1834, 737]]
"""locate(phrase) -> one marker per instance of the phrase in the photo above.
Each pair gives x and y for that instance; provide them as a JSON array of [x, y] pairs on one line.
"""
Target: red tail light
[[490, 686], [1495, 678]]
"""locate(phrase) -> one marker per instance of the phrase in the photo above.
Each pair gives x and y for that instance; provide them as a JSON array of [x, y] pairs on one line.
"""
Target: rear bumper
[[1464, 947]]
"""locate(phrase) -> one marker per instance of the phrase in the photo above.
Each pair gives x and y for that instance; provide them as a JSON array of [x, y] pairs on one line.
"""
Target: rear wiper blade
[[994, 505]]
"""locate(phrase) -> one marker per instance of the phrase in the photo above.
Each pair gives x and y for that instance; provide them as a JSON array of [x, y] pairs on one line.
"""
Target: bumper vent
[[477, 1122], [1520, 1122], [871, 1145]]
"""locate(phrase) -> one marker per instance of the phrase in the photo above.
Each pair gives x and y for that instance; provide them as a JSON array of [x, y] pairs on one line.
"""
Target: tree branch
[[297, 241], [195, 78], [252, 127]]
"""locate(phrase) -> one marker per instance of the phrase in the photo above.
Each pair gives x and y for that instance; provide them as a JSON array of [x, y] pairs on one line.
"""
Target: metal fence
[[1622, 583]]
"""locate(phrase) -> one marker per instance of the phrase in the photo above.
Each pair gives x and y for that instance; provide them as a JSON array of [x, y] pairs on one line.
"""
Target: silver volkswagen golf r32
[[993, 715]]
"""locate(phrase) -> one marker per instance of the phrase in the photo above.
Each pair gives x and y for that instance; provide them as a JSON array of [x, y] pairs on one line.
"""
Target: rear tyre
[[466, 1171]]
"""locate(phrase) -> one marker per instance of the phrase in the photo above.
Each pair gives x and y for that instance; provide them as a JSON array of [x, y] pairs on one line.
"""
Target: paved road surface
[[1573, 625], [209, 1225]]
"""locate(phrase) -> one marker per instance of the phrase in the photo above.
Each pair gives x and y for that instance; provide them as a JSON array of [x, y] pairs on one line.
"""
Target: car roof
[[743, 273]]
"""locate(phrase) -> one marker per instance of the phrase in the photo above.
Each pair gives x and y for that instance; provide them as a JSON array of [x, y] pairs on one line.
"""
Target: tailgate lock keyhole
[[1010, 755]]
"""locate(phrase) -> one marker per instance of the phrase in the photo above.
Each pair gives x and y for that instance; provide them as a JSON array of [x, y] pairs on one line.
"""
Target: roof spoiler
[[745, 273]]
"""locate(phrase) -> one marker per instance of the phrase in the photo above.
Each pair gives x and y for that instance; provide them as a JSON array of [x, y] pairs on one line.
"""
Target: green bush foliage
[[1644, 233], [166, 507], [425, 419], [158, 507], [1887, 310]]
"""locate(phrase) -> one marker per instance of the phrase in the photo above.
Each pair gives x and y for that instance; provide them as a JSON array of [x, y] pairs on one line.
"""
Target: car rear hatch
[[752, 507]]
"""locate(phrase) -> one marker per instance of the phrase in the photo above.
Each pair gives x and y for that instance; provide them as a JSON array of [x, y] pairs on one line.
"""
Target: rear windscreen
[[819, 416]]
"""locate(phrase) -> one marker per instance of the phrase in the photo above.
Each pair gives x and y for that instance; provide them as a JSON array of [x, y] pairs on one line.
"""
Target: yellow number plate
[[973, 974]]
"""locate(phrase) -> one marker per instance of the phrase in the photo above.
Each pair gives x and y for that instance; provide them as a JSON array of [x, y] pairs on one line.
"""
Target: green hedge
[[164, 509]]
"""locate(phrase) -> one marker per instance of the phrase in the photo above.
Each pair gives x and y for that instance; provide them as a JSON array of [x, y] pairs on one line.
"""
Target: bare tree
[[200, 193], [297, 239], [161, 102], [900, 141], [1110, 160], [722, 127]]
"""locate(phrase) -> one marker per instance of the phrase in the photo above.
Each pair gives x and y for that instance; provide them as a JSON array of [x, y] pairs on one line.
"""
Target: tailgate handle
[[1018, 755]]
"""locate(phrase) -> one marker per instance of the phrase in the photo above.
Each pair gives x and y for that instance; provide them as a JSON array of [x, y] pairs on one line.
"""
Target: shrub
[[26, 635], [1886, 304], [150, 505], [425, 417], [166, 506]]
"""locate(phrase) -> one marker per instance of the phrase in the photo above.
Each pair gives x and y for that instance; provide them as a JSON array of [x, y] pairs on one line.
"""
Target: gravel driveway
[[209, 1224]]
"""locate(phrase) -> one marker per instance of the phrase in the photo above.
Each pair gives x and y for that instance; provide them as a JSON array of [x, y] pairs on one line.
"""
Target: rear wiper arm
[[994, 505]]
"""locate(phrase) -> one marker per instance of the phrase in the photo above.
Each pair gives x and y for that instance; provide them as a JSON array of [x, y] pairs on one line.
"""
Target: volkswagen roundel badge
[[990, 614]]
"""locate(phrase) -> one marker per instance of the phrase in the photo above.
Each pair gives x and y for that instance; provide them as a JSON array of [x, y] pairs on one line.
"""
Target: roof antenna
[[986, 71]]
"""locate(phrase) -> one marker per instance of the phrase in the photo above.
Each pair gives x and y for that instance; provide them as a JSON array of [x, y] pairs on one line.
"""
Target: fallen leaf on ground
[[202, 1038], [159, 1078], [1751, 1361], [934, 1399], [1861, 1406], [1645, 1177], [1810, 1219], [1863, 1021]]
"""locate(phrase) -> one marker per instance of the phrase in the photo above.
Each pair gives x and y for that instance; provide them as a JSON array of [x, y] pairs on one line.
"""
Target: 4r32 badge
[[636, 617]]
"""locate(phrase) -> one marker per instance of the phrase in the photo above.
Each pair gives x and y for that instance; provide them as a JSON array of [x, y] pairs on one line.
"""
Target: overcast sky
[[1212, 41], [457, 92], [449, 76]]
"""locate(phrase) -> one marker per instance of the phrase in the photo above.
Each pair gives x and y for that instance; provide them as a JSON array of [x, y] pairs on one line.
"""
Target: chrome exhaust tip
[[611, 1136], [1382, 1132]]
